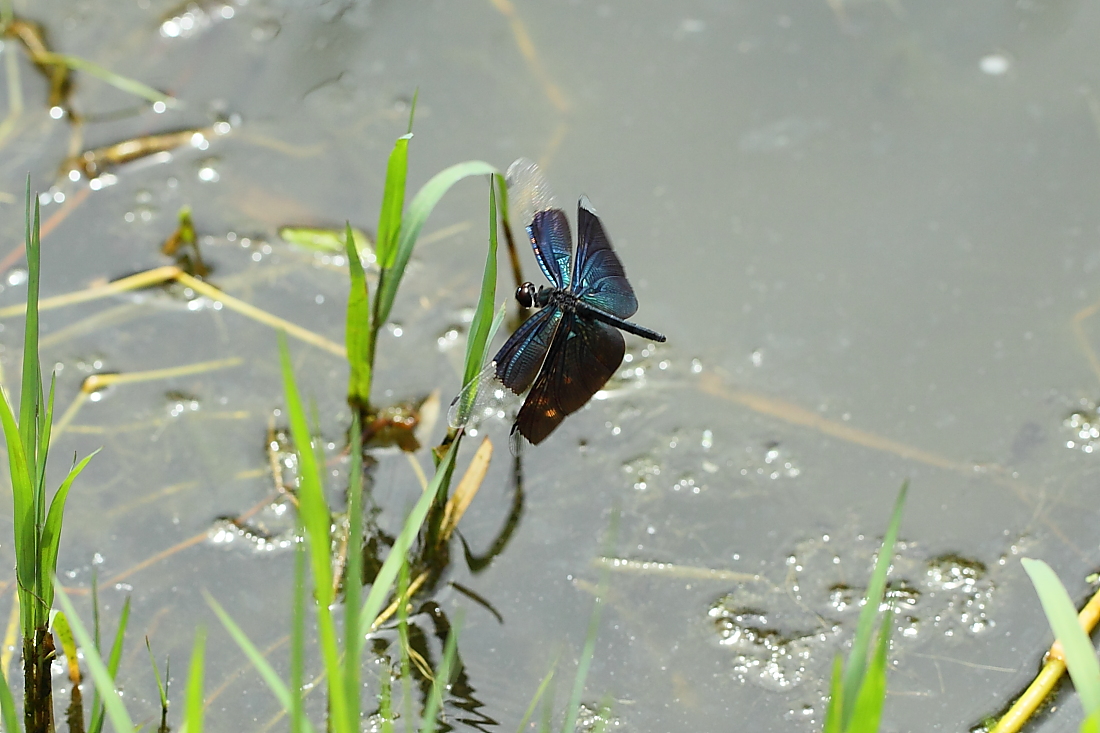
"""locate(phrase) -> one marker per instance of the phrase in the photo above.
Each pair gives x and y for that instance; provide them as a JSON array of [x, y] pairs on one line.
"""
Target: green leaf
[[317, 522], [51, 530], [419, 210], [442, 680], [26, 534], [115, 658], [1091, 724], [330, 241], [193, 710], [393, 202], [130, 86], [1061, 614], [483, 315], [872, 693], [538, 696], [383, 581], [7, 705], [102, 679], [358, 334], [876, 591], [836, 698], [163, 693], [262, 666]]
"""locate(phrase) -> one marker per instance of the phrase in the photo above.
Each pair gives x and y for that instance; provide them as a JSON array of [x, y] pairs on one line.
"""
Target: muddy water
[[869, 230]]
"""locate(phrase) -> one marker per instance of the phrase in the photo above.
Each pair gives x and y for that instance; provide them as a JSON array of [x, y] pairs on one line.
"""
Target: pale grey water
[[881, 214]]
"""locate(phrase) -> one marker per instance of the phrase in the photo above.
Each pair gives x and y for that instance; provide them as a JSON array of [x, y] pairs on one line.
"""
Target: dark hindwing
[[518, 361], [582, 357], [598, 276], [552, 241]]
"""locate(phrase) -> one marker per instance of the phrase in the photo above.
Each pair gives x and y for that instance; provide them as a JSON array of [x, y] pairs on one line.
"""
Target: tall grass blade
[[31, 382], [358, 333], [384, 581], [257, 659], [538, 696], [353, 577], [442, 680], [7, 705], [418, 212], [113, 661], [856, 669], [26, 537], [483, 315], [872, 694], [104, 682], [836, 698], [193, 709], [51, 530], [393, 202], [412, 109], [1061, 614], [1091, 724], [317, 523], [162, 691], [298, 639]]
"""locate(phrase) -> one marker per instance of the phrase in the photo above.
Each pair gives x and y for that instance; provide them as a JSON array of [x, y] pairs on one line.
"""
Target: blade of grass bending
[[317, 522], [353, 578], [1061, 614], [419, 210], [384, 581], [538, 696], [358, 333], [393, 203], [876, 590], [263, 667], [192, 713], [442, 679], [161, 691], [51, 529], [130, 86], [113, 660], [483, 315], [104, 683]]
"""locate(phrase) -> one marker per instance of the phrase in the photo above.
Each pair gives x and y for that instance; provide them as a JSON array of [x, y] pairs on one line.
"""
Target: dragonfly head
[[525, 295]]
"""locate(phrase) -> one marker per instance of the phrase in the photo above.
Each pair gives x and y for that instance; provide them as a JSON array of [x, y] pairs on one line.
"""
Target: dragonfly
[[568, 349]]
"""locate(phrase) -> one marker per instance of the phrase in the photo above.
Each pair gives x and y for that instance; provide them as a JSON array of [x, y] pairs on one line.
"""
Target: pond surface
[[868, 229]]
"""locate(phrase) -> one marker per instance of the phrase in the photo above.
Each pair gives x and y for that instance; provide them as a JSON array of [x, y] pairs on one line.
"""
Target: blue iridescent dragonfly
[[571, 346]]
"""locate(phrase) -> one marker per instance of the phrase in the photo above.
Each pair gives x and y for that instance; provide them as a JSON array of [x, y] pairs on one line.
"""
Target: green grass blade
[[161, 690], [412, 109], [442, 680], [872, 694], [7, 705], [26, 535], [130, 86], [96, 723], [353, 577], [31, 382], [419, 210], [330, 241], [538, 696], [193, 709], [836, 698], [1061, 614], [393, 203], [317, 522], [384, 581], [45, 426], [483, 315], [298, 639], [358, 332], [876, 590], [1091, 724], [102, 679], [257, 659], [51, 530]]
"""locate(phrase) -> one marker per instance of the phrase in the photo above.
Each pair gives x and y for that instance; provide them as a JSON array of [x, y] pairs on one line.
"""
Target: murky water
[[869, 230]]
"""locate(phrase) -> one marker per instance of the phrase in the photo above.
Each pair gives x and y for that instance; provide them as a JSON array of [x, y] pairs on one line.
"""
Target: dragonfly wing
[[598, 276], [533, 205], [518, 361], [583, 356]]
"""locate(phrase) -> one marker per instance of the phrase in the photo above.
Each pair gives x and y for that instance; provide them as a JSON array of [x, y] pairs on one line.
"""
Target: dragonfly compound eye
[[525, 295]]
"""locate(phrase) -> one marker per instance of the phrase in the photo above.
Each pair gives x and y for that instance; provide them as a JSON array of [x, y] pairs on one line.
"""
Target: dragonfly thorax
[[528, 297]]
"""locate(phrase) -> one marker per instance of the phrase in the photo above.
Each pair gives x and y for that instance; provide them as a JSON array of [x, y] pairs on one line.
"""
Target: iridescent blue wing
[[519, 359], [532, 205], [582, 357], [598, 275]]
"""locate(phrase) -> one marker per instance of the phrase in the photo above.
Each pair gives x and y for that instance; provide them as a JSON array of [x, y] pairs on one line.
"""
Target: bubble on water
[[179, 403], [643, 470], [450, 338], [1083, 425]]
